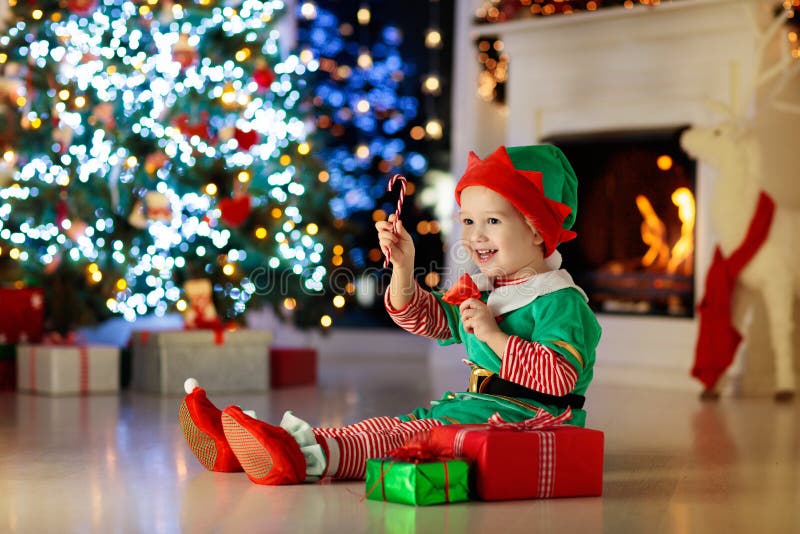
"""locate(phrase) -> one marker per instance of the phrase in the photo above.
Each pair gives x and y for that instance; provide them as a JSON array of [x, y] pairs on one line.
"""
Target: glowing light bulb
[[362, 151], [431, 84], [242, 54], [364, 59], [363, 15], [308, 10], [325, 321], [338, 301], [434, 129], [433, 39], [664, 162]]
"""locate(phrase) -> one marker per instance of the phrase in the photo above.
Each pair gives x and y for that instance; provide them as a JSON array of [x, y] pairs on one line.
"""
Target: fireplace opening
[[636, 221]]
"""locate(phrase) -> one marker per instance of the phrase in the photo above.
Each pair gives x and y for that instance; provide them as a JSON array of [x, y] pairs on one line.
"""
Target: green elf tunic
[[547, 308]]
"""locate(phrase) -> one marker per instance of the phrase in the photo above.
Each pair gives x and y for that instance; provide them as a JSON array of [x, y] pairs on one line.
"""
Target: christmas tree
[[366, 108], [147, 143]]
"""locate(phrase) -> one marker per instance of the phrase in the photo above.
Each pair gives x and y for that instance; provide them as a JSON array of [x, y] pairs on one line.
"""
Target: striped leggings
[[347, 448]]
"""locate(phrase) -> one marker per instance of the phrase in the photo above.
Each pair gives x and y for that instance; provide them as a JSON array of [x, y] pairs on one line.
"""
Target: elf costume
[[547, 363]]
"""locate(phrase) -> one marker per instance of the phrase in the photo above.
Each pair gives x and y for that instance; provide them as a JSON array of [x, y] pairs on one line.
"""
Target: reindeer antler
[[787, 67]]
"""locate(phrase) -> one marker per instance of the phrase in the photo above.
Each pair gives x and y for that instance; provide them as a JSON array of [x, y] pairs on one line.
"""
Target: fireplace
[[636, 221], [632, 77]]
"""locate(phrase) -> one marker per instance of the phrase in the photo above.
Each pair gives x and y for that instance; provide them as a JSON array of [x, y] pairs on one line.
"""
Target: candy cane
[[403, 183]]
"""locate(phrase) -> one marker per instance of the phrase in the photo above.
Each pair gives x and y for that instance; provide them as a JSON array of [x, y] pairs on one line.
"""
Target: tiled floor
[[119, 464]]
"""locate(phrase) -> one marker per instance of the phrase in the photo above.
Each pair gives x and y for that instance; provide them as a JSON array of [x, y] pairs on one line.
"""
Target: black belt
[[494, 385]]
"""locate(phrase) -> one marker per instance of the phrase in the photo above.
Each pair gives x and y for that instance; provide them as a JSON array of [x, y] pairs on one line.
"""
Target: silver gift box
[[222, 362], [68, 369]]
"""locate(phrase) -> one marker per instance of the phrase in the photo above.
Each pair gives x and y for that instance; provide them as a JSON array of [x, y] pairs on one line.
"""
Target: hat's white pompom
[[190, 384], [251, 413]]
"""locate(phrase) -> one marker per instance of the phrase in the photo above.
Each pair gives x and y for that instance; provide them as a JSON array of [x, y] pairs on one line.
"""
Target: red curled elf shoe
[[201, 423], [268, 454]]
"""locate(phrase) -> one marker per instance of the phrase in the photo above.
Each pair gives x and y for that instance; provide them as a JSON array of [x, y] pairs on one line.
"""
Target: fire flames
[[659, 255]]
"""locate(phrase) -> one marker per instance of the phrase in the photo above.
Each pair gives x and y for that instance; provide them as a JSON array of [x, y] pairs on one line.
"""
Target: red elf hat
[[537, 180]]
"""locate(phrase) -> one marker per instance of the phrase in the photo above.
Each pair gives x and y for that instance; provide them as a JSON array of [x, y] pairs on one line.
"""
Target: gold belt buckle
[[475, 375]]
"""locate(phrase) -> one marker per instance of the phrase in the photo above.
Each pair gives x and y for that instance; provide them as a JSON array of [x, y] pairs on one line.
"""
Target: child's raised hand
[[400, 245]]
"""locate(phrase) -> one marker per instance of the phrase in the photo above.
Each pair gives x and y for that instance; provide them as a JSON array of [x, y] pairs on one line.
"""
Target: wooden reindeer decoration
[[773, 270]]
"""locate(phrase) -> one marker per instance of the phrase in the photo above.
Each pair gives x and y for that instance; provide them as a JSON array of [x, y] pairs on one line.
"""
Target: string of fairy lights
[[431, 82], [367, 100]]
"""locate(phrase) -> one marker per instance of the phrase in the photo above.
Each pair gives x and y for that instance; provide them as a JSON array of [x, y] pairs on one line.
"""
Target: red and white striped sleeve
[[535, 366], [422, 316]]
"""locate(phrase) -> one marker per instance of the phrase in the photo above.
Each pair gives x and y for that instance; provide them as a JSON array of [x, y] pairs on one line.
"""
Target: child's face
[[500, 240]]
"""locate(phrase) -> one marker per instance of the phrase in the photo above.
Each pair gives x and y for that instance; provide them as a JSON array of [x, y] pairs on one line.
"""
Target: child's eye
[[493, 220], [466, 221]]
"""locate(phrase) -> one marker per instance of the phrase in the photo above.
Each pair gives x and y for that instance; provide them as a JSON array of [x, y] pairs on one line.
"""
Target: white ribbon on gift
[[541, 425]]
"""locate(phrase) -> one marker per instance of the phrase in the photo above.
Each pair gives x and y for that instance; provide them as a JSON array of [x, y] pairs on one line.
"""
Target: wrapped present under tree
[[536, 458], [292, 366], [224, 361], [21, 315], [68, 369]]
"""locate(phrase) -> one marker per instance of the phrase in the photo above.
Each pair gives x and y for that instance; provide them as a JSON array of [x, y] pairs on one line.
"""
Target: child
[[530, 337]]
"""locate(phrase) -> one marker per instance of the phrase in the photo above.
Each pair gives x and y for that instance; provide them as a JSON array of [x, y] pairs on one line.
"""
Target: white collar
[[508, 298]]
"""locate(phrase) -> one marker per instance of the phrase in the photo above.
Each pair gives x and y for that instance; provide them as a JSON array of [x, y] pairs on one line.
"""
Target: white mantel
[[614, 69]]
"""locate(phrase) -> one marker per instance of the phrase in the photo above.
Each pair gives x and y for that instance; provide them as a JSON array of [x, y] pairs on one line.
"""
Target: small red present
[[292, 366], [538, 458], [21, 315]]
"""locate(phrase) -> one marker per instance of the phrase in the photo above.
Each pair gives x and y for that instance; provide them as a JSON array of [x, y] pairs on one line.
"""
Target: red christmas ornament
[[246, 139], [81, 7], [189, 129], [234, 211], [263, 76], [184, 53]]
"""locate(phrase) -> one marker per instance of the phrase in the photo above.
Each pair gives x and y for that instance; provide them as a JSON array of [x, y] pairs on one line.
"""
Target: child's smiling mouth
[[485, 254]]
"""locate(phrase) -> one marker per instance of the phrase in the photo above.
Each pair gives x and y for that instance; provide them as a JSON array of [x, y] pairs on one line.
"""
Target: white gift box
[[221, 361], [68, 369]]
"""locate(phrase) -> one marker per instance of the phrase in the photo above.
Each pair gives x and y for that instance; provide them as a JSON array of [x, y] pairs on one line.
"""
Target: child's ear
[[537, 237]]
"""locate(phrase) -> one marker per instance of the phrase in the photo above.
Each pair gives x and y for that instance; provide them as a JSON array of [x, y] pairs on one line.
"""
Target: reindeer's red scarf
[[718, 339]]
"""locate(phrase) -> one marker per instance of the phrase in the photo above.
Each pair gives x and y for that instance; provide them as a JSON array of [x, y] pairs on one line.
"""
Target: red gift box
[[21, 315], [511, 463], [292, 366]]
